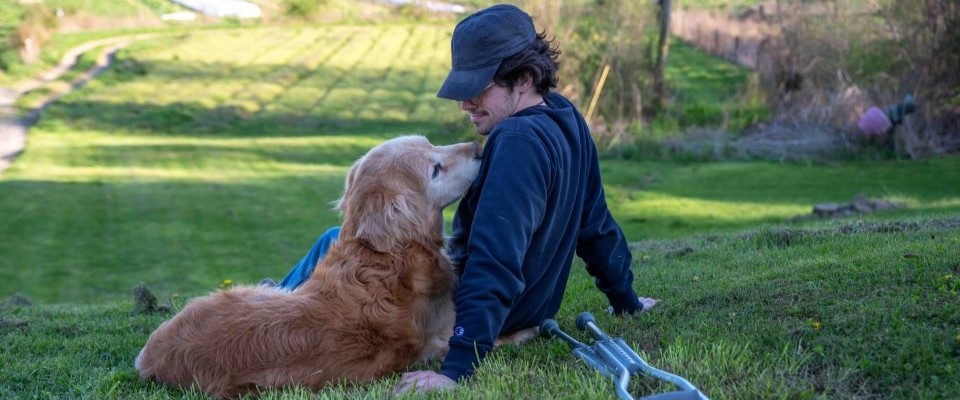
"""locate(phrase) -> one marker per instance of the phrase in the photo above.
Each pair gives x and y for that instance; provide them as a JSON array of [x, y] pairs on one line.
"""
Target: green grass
[[215, 154], [669, 200], [856, 311], [156, 166]]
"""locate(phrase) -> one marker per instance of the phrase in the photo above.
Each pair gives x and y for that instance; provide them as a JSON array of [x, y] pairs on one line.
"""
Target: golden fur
[[379, 301]]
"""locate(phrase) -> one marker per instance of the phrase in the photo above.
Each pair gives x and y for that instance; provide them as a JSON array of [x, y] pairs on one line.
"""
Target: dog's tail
[[138, 364]]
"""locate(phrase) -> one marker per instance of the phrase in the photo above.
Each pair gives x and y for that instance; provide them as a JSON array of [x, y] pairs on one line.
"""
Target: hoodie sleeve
[[603, 248], [510, 209]]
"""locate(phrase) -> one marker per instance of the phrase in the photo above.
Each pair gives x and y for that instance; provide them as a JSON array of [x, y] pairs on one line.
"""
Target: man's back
[[519, 225]]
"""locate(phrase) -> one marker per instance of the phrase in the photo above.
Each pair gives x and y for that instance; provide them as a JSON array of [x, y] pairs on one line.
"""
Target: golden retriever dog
[[378, 302]]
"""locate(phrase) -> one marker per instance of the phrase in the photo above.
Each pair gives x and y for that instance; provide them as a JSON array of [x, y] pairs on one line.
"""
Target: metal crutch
[[613, 358]]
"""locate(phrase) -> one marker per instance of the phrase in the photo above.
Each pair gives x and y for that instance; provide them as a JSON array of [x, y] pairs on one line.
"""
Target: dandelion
[[816, 325], [226, 283]]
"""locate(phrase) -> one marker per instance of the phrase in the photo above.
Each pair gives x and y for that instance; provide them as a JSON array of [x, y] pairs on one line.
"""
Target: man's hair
[[539, 59]]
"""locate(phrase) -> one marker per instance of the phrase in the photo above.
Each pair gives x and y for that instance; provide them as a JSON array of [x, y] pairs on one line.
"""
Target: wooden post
[[596, 92], [663, 50]]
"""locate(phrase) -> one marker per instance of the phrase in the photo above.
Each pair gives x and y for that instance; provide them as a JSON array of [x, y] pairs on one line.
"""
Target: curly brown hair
[[539, 60]]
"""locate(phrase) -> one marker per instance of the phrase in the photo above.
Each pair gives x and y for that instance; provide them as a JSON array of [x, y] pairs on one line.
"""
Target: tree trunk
[[663, 49]]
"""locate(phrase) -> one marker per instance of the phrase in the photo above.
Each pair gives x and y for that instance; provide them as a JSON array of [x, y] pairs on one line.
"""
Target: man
[[537, 201]]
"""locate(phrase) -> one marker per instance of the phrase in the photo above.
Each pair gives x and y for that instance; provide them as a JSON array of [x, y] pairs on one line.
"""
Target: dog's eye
[[436, 169]]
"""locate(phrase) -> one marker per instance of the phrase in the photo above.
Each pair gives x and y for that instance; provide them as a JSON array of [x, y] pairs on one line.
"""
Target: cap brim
[[466, 84]]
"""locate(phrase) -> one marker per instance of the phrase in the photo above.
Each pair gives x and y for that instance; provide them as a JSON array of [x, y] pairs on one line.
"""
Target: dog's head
[[396, 192]]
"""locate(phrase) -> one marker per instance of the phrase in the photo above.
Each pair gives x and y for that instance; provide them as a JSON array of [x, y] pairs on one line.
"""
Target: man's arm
[[603, 247]]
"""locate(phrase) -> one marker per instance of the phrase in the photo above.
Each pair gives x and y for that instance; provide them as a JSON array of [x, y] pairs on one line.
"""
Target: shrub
[[839, 58], [35, 29], [595, 33], [304, 9]]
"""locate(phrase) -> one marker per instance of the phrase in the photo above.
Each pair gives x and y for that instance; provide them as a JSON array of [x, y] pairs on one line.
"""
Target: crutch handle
[[583, 319], [587, 322], [548, 326], [551, 328]]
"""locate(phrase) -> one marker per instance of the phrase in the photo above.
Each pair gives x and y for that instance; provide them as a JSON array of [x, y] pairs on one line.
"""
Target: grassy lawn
[[256, 142], [654, 200], [215, 155], [856, 311]]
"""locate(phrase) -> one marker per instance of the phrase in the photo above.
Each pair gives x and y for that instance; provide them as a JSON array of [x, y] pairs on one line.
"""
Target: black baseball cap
[[480, 42]]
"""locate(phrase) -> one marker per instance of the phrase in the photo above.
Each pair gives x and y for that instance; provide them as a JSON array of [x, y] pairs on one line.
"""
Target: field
[[209, 157]]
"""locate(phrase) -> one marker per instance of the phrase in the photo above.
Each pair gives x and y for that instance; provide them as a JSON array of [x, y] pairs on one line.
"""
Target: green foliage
[[880, 53], [595, 34], [710, 92], [34, 26], [701, 90], [301, 8]]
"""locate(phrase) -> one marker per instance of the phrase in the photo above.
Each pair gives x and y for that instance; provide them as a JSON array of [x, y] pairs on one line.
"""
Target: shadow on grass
[[195, 98], [201, 155], [194, 119]]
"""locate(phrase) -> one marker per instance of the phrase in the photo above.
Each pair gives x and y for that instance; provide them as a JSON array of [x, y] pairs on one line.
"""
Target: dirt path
[[14, 124], [13, 133]]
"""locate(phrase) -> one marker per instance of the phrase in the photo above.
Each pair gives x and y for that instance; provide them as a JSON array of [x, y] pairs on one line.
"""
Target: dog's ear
[[383, 220], [348, 185], [383, 203]]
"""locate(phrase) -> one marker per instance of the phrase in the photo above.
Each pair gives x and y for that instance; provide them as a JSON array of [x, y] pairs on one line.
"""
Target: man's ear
[[524, 83]]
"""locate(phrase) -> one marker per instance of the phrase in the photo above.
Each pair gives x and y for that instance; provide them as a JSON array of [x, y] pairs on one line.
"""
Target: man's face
[[492, 105]]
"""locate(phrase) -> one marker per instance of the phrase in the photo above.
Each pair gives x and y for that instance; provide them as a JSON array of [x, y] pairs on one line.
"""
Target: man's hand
[[645, 302], [422, 382]]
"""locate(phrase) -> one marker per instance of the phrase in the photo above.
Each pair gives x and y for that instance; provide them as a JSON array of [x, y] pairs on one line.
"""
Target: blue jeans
[[301, 272]]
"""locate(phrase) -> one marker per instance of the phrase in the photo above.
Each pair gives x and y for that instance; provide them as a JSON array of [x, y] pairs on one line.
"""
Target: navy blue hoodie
[[537, 200]]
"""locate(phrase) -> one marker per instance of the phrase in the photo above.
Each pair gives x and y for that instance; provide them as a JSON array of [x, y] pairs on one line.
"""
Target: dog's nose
[[477, 150]]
